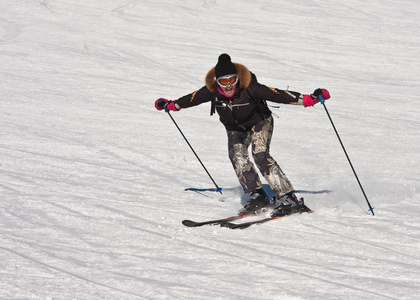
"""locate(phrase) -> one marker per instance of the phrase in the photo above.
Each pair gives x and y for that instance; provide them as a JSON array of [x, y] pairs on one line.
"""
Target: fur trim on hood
[[243, 73]]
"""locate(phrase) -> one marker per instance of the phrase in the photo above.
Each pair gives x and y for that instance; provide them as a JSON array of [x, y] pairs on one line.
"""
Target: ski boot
[[289, 204], [257, 201]]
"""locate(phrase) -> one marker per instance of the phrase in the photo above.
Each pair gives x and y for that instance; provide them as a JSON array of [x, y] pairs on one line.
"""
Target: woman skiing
[[240, 101]]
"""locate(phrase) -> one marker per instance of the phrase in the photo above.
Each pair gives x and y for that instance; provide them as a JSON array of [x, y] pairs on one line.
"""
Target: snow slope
[[94, 182]]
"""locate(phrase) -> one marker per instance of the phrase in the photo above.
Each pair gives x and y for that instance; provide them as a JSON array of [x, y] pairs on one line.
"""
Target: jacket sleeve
[[276, 95], [196, 98]]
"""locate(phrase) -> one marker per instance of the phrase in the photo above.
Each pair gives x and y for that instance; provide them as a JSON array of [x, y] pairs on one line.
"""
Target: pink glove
[[166, 104], [311, 100], [172, 106], [161, 103], [323, 92]]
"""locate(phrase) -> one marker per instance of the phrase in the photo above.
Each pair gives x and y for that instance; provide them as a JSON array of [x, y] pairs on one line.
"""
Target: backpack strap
[[213, 106], [262, 104]]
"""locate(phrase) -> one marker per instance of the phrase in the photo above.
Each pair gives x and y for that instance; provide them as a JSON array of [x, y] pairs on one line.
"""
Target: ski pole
[[218, 189], [345, 152]]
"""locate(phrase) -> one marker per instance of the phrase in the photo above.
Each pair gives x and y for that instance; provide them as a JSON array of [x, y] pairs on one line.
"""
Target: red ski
[[190, 223], [230, 225]]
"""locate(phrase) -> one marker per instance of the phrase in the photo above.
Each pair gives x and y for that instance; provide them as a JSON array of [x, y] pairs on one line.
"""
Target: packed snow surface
[[94, 181]]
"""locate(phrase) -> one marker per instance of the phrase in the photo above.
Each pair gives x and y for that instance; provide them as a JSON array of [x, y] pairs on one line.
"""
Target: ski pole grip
[[321, 99]]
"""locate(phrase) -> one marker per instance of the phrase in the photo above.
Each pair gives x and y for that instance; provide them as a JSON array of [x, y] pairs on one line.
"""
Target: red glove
[[311, 100], [166, 104], [161, 103]]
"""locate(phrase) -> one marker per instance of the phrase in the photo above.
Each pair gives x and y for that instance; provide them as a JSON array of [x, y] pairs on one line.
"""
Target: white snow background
[[94, 181]]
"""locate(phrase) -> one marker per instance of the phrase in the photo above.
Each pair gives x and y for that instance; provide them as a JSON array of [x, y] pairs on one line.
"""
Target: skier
[[239, 99]]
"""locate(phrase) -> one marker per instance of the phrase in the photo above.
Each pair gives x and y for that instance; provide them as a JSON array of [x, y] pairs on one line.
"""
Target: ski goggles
[[224, 81]]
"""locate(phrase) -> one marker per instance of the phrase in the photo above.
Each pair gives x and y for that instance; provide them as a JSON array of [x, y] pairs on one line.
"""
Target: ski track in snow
[[94, 182]]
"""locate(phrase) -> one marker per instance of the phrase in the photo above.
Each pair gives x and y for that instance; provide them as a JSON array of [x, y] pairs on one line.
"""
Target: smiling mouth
[[229, 88]]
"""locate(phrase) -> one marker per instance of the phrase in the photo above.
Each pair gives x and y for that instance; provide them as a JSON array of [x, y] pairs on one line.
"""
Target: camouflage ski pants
[[260, 137]]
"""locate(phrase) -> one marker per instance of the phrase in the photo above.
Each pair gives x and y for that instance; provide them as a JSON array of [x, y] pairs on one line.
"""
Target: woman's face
[[228, 84], [229, 90]]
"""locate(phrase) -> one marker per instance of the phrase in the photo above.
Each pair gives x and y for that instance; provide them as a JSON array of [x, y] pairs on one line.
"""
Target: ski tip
[[189, 223], [240, 226]]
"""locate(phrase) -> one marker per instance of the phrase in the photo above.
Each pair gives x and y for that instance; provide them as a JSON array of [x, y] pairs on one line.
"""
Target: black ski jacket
[[246, 107]]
